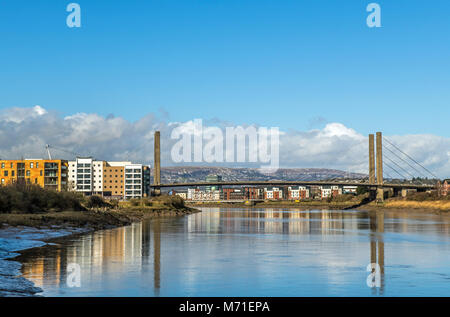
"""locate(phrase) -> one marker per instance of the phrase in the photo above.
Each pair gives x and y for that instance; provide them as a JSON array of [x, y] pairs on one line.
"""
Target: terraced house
[[50, 174]]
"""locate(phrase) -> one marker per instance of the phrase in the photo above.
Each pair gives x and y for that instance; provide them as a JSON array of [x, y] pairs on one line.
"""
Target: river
[[253, 252]]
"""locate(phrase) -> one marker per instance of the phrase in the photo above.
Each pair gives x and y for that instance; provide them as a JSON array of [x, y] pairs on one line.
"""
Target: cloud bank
[[24, 132]]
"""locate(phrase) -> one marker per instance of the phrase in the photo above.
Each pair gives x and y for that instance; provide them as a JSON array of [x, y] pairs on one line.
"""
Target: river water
[[253, 252]]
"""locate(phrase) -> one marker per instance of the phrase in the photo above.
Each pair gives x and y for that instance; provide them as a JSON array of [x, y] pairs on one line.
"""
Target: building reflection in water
[[273, 220], [106, 251], [137, 248]]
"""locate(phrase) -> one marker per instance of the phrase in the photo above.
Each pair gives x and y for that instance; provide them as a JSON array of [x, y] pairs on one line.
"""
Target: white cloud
[[25, 131], [18, 115]]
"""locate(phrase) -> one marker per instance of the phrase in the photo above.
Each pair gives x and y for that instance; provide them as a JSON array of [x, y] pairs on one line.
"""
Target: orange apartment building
[[113, 181], [51, 174]]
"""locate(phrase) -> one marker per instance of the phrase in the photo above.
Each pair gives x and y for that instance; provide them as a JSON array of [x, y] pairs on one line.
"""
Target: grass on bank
[[30, 198], [420, 200], [34, 206]]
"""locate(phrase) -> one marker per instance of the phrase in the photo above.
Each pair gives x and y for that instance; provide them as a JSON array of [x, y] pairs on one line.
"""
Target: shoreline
[[391, 205], [21, 232]]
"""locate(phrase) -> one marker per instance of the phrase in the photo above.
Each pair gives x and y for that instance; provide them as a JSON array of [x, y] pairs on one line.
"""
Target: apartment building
[[86, 176], [232, 194], [274, 193], [50, 174], [252, 193], [299, 193], [350, 190], [118, 180], [330, 191], [133, 181], [113, 179]]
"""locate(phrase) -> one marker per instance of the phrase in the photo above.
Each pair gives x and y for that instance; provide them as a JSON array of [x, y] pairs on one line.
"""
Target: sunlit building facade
[[50, 174]]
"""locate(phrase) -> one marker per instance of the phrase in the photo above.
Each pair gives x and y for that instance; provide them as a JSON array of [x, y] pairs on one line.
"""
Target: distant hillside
[[193, 174]]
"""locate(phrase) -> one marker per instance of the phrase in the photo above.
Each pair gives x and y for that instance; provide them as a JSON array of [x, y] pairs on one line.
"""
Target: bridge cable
[[388, 175], [396, 155], [431, 173], [393, 162], [388, 165]]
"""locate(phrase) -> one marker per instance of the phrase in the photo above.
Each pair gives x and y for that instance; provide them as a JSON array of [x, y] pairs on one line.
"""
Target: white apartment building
[[200, 195], [329, 191], [274, 193], [86, 175], [133, 181], [350, 189], [298, 193], [81, 175], [190, 193], [325, 192]]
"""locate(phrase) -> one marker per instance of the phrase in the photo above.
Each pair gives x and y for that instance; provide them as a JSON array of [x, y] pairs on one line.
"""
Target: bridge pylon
[[380, 181], [371, 159], [157, 163]]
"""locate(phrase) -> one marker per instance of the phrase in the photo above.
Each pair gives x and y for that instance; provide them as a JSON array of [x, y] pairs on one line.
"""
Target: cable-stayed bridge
[[381, 157]]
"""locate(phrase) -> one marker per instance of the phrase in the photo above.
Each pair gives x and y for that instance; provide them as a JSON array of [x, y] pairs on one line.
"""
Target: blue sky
[[291, 64]]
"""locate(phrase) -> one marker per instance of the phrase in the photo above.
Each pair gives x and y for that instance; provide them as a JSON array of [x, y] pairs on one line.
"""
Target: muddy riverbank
[[20, 232]]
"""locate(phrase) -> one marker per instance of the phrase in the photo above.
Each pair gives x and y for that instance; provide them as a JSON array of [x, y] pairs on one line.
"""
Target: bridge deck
[[294, 183]]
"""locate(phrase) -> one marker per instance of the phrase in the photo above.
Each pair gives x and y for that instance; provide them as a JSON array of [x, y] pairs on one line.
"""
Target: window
[[37, 164], [12, 165], [12, 173], [40, 173], [3, 181], [35, 180], [28, 173], [3, 165], [5, 173], [31, 165]]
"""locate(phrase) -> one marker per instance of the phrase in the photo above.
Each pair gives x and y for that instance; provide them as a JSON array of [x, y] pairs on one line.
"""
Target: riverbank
[[425, 206], [391, 204], [281, 204], [20, 232]]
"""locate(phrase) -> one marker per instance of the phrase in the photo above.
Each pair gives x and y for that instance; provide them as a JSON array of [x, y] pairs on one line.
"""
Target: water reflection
[[376, 243], [231, 251]]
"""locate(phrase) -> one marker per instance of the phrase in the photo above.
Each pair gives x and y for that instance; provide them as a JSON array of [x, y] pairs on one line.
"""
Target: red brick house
[[444, 187]]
